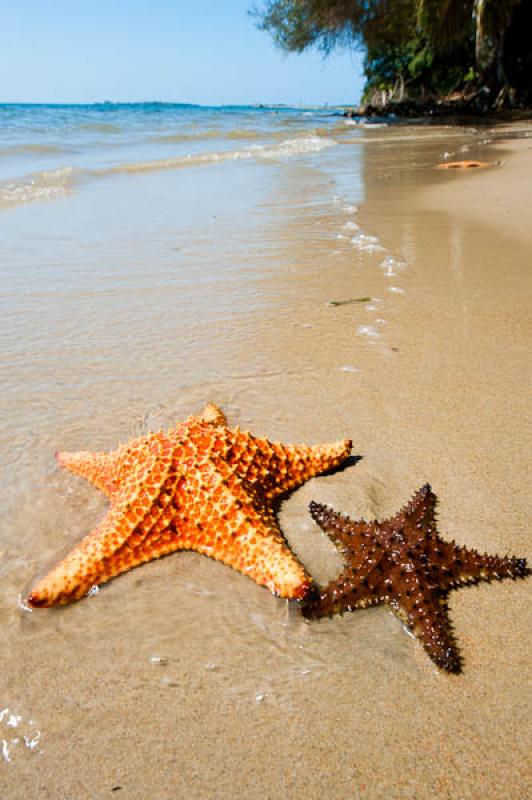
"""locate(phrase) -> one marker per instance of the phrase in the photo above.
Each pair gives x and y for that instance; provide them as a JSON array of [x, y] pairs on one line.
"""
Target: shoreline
[[440, 113], [505, 202]]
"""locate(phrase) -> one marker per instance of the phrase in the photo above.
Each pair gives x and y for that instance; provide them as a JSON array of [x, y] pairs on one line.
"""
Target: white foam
[[288, 148], [396, 289], [160, 660], [349, 368], [36, 188], [351, 226], [368, 331], [392, 266], [367, 243], [10, 745]]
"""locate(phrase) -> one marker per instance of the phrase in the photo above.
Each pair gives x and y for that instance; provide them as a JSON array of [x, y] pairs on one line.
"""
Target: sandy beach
[[183, 679]]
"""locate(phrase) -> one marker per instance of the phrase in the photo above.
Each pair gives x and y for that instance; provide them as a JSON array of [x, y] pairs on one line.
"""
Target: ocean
[[48, 150]]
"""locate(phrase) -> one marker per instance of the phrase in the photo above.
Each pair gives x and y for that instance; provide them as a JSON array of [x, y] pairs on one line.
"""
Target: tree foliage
[[427, 45], [298, 24]]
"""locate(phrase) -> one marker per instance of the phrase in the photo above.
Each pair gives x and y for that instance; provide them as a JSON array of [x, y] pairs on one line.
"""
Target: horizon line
[[257, 105]]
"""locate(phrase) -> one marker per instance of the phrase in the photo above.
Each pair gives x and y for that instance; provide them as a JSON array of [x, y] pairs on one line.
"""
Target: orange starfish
[[200, 486], [467, 164]]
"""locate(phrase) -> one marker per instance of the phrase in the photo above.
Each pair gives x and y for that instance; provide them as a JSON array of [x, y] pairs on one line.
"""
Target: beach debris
[[159, 660], [200, 486], [404, 563], [467, 164], [349, 302]]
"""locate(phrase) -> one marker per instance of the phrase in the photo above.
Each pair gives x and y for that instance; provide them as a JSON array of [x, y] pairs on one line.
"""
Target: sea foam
[[32, 188]]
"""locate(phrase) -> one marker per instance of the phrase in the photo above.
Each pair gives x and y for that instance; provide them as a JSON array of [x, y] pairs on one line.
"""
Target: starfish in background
[[200, 486], [403, 562]]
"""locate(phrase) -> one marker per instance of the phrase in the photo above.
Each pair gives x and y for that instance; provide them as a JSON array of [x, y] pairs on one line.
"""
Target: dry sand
[[246, 699]]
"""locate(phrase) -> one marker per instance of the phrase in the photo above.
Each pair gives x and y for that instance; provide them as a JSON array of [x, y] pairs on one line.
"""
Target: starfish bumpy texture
[[200, 486], [403, 562]]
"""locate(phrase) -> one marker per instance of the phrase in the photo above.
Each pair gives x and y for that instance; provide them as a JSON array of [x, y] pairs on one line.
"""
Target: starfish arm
[[134, 503], [344, 532], [419, 513], [349, 591], [423, 609], [234, 525], [213, 415], [456, 565], [279, 468], [97, 468]]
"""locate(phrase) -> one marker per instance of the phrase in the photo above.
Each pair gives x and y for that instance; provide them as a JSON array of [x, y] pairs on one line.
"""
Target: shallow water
[[180, 256]]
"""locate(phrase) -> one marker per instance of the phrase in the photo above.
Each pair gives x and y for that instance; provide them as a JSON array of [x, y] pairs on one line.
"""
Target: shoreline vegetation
[[422, 57], [441, 110]]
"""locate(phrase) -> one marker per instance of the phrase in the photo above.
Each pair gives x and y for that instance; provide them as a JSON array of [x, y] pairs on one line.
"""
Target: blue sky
[[207, 52]]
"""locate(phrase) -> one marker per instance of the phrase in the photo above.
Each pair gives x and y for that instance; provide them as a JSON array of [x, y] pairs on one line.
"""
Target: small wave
[[48, 185], [236, 134], [285, 149], [33, 149], [35, 188], [100, 127]]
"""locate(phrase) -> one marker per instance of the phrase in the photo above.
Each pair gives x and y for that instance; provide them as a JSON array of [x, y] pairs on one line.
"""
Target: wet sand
[[183, 678]]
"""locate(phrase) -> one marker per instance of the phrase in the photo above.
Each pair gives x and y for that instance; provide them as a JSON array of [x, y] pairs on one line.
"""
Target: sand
[[183, 679]]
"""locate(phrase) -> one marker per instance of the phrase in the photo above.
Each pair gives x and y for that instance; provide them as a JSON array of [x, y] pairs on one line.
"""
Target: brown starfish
[[200, 486], [403, 562]]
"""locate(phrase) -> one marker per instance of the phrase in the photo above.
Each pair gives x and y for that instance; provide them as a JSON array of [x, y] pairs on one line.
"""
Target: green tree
[[296, 25], [437, 44], [447, 23]]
